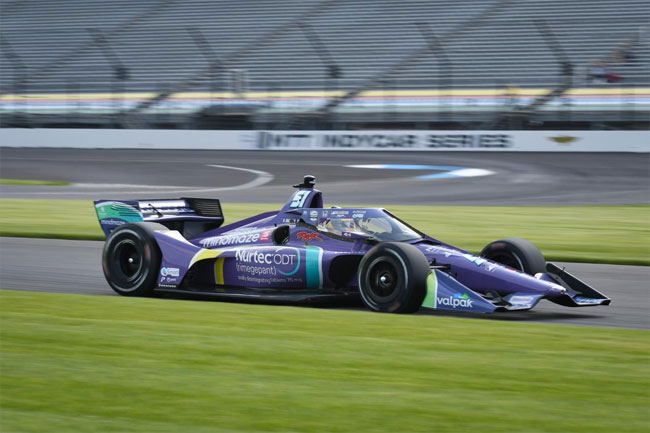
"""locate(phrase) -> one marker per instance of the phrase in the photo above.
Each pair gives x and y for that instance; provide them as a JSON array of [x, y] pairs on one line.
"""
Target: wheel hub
[[128, 259], [383, 280]]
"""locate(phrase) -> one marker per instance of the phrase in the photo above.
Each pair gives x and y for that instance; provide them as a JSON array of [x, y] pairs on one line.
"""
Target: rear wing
[[177, 214]]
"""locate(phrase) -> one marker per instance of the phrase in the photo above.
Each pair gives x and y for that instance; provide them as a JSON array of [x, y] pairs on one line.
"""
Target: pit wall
[[493, 141]]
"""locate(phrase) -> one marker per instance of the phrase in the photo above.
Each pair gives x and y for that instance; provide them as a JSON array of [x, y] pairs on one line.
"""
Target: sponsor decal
[[272, 280], [521, 300], [231, 239], [478, 261], [325, 213], [308, 236], [313, 215], [284, 260], [266, 235], [358, 214], [115, 210], [340, 213], [458, 300], [171, 272], [164, 206], [112, 222], [441, 250]]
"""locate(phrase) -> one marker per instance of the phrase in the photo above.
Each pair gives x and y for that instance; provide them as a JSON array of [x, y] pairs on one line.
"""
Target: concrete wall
[[514, 141]]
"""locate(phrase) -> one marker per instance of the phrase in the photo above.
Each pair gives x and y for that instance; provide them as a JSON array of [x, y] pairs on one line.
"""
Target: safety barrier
[[513, 141]]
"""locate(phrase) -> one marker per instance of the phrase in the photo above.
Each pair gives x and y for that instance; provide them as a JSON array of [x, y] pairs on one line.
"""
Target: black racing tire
[[393, 278], [131, 259], [516, 253]]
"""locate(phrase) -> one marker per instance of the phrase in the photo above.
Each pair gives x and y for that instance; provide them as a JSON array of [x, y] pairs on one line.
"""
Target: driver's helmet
[[345, 225]]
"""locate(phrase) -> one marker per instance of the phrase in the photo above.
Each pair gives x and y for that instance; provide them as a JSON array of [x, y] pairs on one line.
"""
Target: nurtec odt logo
[[457, 300]]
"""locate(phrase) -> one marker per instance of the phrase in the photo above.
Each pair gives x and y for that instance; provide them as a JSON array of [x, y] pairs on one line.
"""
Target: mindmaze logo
[[461, 300], [237, 238]]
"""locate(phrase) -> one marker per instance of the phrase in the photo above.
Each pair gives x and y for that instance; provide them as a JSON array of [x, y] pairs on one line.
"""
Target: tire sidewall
[[529, 257], [141, 240], [411, 285]]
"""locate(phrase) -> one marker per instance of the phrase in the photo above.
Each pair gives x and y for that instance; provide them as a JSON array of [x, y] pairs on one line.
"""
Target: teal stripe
[[313, 266]]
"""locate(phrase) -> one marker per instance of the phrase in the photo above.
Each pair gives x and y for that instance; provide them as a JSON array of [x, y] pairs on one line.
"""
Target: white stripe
[[261, 179], [471, 172]]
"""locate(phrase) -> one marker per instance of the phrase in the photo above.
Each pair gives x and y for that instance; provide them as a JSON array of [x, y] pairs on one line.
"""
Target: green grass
[[111, 364], [598, 234], [32, 182]]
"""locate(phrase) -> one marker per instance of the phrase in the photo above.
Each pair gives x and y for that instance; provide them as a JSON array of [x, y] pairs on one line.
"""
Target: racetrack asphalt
[[65, 266], [266, 176], [519, 178]]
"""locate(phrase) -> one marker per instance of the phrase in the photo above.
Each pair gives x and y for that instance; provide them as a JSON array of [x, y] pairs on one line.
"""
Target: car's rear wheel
[[131, 259], [392, 278], [516, 253]]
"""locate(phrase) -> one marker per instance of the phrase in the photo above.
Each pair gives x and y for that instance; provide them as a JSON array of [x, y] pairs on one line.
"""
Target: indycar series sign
[[518, 141], [510, 141]]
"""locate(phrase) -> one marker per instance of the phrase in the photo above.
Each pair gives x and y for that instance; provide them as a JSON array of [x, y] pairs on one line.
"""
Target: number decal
[[299, 199]]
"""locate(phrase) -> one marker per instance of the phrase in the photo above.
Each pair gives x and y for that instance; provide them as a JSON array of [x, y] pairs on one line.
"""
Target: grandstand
[[324, 64]]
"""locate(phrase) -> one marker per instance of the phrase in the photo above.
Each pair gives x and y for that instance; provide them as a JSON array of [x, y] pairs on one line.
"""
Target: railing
[[270, 105]]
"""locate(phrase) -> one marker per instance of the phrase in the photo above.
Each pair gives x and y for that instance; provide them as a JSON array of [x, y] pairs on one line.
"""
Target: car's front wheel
[[516, 253], [392, 278], [131, 259]]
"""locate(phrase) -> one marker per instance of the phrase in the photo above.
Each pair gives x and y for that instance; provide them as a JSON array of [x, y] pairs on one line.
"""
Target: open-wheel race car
[[306, 252]]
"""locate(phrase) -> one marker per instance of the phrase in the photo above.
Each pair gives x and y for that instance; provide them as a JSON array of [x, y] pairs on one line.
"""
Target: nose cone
[[554, 289]]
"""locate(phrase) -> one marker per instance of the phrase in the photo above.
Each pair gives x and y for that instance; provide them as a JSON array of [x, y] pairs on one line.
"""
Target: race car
[[306, 252]]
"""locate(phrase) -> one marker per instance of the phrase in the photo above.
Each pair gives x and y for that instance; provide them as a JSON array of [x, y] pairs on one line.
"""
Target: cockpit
[[360, 223]]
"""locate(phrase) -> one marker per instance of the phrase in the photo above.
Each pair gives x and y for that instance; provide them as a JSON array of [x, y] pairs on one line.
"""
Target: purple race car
[[306, 252]]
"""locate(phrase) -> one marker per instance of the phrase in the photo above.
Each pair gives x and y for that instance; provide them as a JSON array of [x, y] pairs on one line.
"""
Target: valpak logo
[[458, 300]]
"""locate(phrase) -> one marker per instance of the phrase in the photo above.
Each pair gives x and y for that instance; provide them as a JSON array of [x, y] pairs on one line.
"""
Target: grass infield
[[597, 234], [113, 364], [107, 364], [32, 182]]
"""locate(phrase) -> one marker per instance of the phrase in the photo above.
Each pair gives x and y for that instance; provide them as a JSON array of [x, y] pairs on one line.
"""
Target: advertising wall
[[532, 141], [126, 138], [513, 141]]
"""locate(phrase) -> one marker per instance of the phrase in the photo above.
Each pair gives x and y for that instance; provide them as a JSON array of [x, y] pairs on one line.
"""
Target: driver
[[346, 225]]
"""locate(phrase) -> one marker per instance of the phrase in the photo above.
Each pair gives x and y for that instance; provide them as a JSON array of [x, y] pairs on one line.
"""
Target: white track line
[[261, 179]]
